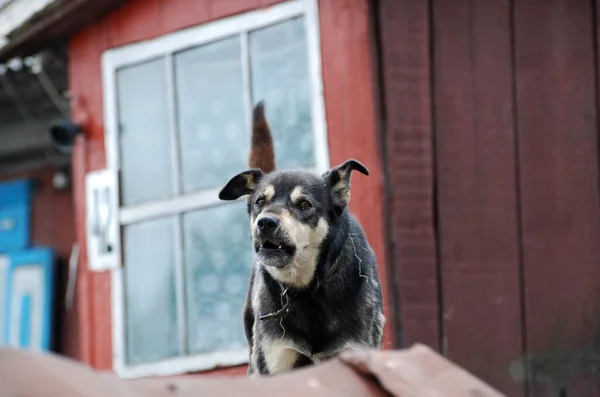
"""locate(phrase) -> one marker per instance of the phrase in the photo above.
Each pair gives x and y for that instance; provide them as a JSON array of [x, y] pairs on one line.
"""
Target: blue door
[[26, 291]]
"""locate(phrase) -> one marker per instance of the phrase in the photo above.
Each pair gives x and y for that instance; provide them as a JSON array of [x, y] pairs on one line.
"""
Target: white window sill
[[174, 366], [183, 365]]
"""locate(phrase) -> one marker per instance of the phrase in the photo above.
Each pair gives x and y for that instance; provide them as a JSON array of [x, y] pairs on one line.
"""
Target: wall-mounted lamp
[[63, 134]]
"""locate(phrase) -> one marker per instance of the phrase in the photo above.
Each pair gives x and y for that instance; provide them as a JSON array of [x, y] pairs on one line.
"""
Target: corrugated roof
[[32, 25], [14, 13], [414, 372]]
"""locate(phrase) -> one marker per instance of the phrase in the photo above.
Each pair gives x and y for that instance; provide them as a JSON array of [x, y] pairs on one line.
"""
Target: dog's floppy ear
[[338, 180], [241, 185]]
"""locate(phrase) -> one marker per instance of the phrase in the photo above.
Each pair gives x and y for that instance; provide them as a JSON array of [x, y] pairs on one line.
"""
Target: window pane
[[218, 259], [213, 131], [279, 64], [145, 144], [150, 291]]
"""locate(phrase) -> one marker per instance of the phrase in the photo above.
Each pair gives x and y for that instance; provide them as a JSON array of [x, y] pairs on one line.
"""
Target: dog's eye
[[260, 201], [304, 205]]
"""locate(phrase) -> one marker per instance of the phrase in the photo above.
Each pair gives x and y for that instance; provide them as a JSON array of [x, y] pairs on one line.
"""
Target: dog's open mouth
[[269, 245], [275, 253]]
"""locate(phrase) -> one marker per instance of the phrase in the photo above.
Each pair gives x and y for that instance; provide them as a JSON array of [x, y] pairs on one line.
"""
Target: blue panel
[[14, 227], [30, 282], [15, 191], [25, 326], [4, 261], [15, 215]]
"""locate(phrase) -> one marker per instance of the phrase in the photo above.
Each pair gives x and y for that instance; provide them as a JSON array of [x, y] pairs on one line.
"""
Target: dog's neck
[[330, 268], [286, 307], [329, 261]]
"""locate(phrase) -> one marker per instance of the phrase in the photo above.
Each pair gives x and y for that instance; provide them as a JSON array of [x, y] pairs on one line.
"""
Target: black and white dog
[[314, 290]]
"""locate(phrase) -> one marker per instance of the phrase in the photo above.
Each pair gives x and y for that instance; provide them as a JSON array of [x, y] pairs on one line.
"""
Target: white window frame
[[166, 45]]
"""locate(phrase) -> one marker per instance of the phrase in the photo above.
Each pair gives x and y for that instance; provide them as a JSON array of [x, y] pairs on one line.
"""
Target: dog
[[314, 289]]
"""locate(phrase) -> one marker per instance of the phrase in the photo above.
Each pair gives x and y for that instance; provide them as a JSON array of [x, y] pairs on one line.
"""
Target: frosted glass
[[151, 311], [144, 138], [279, 63], [214, 135], [218, 259]]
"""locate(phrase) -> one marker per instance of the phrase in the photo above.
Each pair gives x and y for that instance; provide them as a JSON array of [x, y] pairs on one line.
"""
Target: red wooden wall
[[52, 225], [491, 125], [349, 109], [476, 174]]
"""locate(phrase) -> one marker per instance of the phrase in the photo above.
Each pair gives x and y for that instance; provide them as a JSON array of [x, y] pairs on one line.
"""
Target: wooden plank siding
[[501, 97], [476, 186], [556, 96], [404, 36], [350, 116]]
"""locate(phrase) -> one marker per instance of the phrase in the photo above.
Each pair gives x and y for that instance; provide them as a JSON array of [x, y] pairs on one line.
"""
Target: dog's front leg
[[256, 366], [280, 357]]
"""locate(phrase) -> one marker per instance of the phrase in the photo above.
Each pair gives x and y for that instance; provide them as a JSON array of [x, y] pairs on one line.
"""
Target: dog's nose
[[267, 224]]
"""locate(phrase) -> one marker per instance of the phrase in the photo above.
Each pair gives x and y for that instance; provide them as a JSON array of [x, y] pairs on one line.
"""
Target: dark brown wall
[[490, 128]]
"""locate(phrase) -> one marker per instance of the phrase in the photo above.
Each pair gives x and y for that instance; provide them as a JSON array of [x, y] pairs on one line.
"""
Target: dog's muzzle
[[268, 232], [270, 242]]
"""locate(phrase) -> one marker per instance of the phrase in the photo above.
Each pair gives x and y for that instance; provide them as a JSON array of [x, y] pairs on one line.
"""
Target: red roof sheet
[[414, 372]]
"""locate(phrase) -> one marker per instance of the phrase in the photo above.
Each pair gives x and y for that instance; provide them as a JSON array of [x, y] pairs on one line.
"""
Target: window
[[178, 118]]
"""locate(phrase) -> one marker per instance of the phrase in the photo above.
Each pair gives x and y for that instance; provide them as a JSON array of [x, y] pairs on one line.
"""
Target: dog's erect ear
[[338, 180], [241, 185]]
